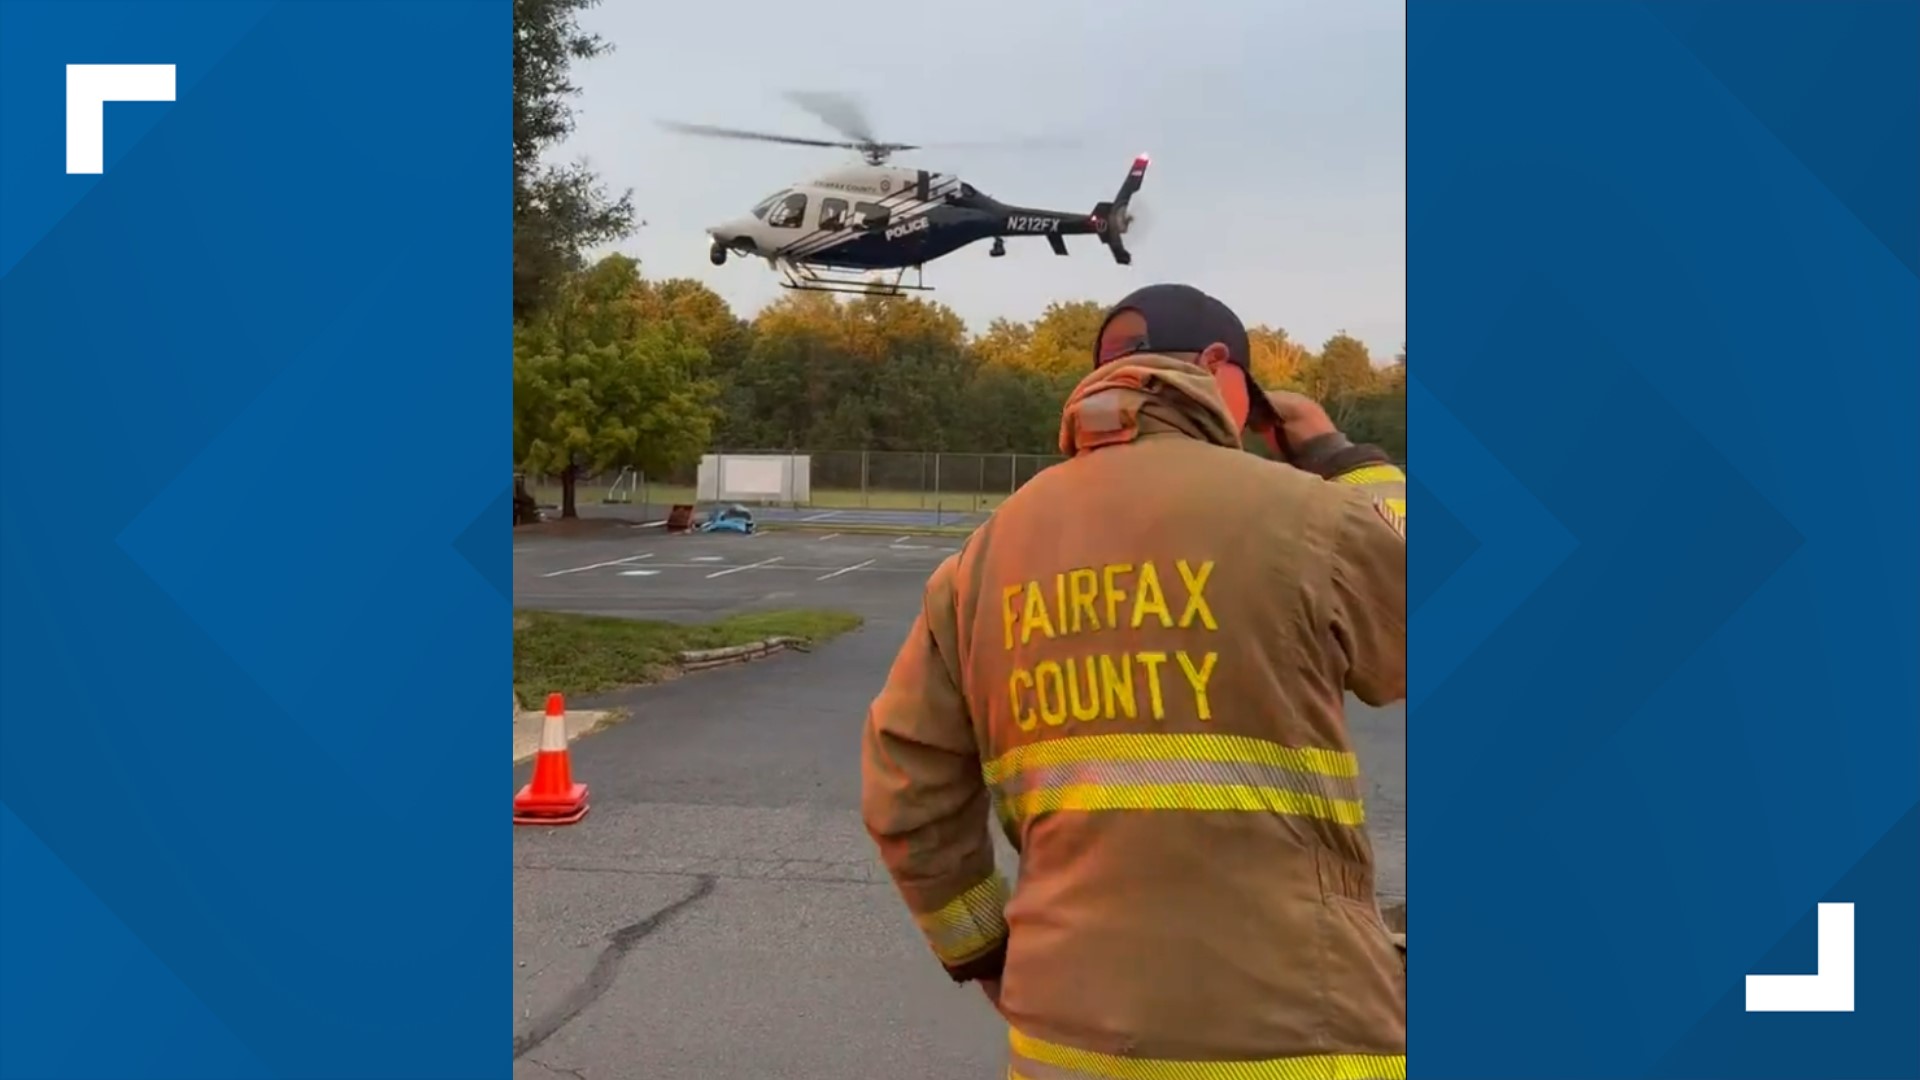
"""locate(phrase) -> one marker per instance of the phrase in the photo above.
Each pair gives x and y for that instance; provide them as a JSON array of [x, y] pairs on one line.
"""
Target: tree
[[1005, 344], [1276, 361], [701, 314], [1340, 376], [1064, 337], [559, 211], [1394, 378], [619, 370], [598, 383]]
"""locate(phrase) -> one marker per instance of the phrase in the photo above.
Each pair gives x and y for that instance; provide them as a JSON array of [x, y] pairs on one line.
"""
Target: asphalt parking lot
[[642, 572], [721, 911]]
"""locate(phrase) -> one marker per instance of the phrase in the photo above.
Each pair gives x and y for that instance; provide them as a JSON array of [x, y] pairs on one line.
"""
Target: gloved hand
[[1301, 418], [1291, 423]]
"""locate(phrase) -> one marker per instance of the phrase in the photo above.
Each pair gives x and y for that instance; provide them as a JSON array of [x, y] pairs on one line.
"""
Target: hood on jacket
[[1145, 394]]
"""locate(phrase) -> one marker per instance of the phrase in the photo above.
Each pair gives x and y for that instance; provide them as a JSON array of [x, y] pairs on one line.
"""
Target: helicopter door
[[922, 191], [872, 217], [833, 215]]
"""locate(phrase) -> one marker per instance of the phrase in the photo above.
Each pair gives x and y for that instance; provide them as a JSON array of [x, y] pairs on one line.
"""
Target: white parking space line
[[823, 517], [787, 567], [598, 565], [829, 536], [749, 566], [845, 570]]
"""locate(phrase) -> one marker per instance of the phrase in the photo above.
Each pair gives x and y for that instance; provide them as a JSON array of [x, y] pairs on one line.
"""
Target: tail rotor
[[1111, 220]]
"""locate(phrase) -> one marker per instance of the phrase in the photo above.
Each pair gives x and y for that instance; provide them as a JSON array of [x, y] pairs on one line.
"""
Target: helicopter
[[845, 229]]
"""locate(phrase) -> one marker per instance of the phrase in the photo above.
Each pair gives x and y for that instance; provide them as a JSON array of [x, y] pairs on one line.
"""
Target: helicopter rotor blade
[[839, 112], [711, 131]]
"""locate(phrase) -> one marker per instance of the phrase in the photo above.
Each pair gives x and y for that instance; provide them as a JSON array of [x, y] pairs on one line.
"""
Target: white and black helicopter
[[832, 233]]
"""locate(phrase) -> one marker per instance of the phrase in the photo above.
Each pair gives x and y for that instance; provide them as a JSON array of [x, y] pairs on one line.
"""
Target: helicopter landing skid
[[807, 277]]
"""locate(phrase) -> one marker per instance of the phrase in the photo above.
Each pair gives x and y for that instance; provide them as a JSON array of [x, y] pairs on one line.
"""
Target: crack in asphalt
[[605, 967]]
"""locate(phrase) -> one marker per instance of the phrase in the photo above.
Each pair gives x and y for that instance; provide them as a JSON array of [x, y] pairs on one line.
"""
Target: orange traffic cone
[[552, 798]]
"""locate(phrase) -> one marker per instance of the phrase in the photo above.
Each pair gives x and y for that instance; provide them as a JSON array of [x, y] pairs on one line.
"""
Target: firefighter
[[1139, 665]]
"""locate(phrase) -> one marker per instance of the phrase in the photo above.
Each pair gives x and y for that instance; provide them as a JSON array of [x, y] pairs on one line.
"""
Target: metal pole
[[938, 502], [863, 480]]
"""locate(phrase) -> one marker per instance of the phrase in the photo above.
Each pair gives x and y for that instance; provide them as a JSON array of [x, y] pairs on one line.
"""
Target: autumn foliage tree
[[623, 371]]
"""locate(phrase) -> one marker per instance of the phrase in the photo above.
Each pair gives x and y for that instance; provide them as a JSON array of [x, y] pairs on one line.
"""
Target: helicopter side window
[[868, 215], [787, 213], [833, 214]]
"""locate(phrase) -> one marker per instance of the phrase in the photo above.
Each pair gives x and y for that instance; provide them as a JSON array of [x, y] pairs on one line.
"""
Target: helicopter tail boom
[[1108, 220]]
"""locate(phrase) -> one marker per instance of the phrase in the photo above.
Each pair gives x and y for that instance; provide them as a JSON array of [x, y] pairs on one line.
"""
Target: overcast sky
[[1277, 130]]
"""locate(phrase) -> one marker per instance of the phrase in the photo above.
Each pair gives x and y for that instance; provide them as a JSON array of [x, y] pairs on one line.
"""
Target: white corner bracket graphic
[[1829, 988], [89, 88]]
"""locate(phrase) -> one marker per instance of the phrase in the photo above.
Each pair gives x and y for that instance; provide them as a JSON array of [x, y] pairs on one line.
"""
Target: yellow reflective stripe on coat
[[1373, 474], [970, 924], [1092, 773], [1036, 1059], [1387, 485]]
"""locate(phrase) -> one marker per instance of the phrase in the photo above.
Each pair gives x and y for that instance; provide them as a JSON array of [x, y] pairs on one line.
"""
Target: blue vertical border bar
[[1665, 396], [254, 544]]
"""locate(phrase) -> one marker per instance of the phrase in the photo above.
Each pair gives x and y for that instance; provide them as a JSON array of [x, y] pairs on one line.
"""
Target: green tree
[[1340, 376], [559, 211], [870, 373], [598, 384]]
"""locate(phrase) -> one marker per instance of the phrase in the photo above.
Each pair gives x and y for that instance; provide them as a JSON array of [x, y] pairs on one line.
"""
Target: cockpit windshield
[[760, 208]]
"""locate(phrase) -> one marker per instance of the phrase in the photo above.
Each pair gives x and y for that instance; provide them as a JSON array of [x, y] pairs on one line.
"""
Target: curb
[[606, 719], [703, 659]]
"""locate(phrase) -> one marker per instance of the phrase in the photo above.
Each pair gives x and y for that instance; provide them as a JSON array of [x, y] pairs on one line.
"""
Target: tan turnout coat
[[1138, 666]]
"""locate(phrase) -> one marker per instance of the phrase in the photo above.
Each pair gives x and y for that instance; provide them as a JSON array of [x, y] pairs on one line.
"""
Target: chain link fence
[[837, 480]]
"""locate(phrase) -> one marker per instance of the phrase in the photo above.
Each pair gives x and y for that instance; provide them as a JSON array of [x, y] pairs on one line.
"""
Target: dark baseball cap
[[1179, 318], [1182, 319]]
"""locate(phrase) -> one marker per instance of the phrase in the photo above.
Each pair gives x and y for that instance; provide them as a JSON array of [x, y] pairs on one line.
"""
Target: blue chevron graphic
[[1445, 545], [1521, 544]]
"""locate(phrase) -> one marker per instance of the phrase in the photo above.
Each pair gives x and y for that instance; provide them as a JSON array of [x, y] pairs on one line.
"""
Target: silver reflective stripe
[[1209, 773], [970, 923], [1240, 773]]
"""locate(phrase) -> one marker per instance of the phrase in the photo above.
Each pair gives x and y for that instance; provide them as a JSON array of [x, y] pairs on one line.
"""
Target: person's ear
[[1231, 381]]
